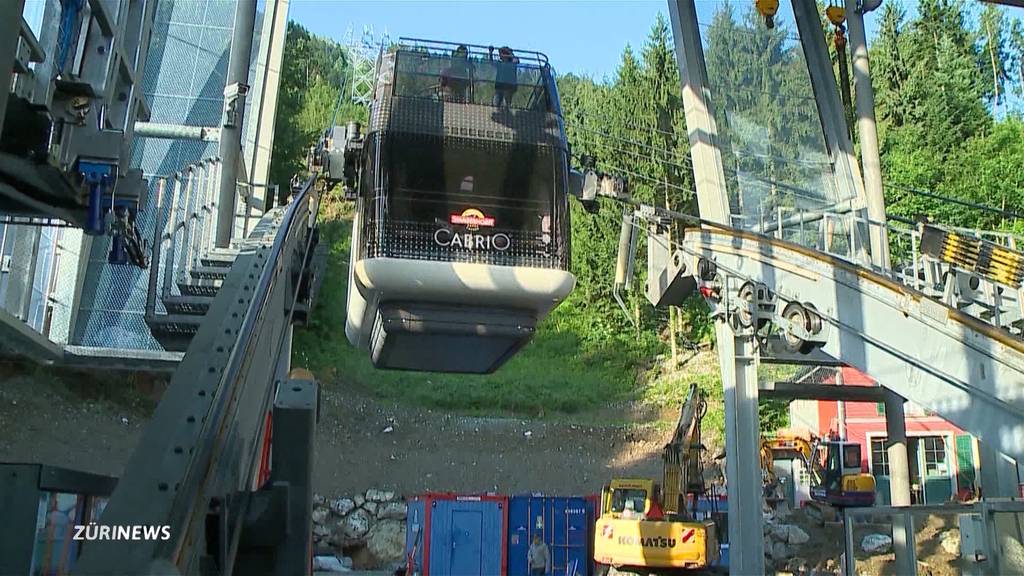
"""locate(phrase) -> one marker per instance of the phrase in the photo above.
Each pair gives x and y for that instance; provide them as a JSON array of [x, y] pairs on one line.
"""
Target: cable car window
[[452, 198]]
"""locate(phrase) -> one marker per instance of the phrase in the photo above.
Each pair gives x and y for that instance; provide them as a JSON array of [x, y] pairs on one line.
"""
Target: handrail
[[191, 195], [539, 57]]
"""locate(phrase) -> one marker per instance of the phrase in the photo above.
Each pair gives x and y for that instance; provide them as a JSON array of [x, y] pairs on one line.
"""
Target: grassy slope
[[555, 373]]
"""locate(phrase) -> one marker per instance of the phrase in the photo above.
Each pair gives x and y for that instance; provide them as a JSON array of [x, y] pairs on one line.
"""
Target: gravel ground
[[92, 423]]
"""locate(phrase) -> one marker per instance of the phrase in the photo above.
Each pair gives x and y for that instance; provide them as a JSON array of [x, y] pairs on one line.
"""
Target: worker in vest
[[538, 560]]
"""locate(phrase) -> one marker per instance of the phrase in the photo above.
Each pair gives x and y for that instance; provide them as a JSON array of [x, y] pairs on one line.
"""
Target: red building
[[944, 460]]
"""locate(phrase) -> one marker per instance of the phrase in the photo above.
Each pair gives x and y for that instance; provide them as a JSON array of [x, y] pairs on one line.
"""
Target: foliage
[[313, 74], [945, 120]]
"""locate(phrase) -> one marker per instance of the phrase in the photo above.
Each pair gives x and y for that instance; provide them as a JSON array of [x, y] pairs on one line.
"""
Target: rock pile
[[780, 540], [368, 527]]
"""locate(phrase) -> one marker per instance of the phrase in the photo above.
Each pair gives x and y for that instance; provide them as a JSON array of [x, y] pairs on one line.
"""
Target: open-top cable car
[[460, 241]]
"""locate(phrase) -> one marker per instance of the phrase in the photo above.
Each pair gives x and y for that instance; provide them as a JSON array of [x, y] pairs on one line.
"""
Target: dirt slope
[[75, 421]]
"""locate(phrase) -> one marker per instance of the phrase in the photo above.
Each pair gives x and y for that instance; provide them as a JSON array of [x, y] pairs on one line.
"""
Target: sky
[[579, 36]]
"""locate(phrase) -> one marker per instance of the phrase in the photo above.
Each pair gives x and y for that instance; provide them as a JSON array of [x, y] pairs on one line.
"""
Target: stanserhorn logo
[[607, 531], [472, 219]]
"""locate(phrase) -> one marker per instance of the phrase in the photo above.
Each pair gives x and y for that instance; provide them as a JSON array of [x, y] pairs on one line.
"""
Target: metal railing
[[988, 533], [186, 208]]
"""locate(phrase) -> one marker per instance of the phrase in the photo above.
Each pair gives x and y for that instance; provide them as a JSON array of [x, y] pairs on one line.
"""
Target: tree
[[314, 71], [994, 34]]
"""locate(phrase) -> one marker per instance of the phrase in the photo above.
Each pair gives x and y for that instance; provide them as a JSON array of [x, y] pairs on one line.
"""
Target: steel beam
[[803, 391], [969, 372], [872, 163], [742, 445], [709, 177], [10, 34], [275, 28], [234, 109]]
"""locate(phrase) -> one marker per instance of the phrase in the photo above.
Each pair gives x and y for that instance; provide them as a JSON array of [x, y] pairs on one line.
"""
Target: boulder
[[393, 511], [371, 507], [779, 532], [797, 536], [353, 528], [359, 500], [342, 506], [320, 514], [374, 495], [876, 544], [780, 551], [321, 531], [319, 500], [386, 541], [950, 541]]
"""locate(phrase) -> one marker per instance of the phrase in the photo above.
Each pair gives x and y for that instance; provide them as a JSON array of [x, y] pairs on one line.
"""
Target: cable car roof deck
[[442, 48]]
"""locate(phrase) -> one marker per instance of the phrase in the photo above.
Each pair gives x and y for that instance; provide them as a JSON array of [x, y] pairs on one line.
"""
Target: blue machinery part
[[126, 244]]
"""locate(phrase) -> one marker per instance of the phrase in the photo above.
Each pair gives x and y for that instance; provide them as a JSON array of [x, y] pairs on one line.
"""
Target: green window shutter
[[880, 408], [965, 472]]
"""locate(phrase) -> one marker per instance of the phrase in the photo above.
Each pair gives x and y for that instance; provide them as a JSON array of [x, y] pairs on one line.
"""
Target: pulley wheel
[[746, 294], [796, 314]]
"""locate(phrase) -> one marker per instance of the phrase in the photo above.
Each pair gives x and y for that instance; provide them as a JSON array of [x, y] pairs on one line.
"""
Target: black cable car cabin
[[461, 233]]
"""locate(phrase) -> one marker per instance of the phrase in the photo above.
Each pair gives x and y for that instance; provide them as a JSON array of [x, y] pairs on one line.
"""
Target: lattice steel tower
[[362, 51]]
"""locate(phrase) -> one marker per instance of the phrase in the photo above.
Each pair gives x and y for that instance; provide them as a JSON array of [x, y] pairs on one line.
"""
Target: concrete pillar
[[899, 466], [231, 129], [899, 481], [742, 446], [872, 164]]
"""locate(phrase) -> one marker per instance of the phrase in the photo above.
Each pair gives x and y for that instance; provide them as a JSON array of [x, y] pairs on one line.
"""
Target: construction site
[[280, 301]]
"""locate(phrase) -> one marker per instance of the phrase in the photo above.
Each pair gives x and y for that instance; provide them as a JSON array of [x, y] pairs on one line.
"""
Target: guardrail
[[185, 233]]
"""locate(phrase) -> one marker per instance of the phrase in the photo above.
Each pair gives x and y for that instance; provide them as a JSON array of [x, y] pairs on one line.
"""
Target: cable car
[[460, 240]]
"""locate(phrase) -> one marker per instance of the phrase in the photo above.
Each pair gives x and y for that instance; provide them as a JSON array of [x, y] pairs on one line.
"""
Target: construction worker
[[538, 559]]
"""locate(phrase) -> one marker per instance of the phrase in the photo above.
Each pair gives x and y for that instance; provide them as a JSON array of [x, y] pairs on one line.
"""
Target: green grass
[[578, 362], [558, 372]]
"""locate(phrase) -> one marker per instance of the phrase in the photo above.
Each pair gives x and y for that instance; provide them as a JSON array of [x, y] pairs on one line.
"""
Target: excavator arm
[[681, 455]]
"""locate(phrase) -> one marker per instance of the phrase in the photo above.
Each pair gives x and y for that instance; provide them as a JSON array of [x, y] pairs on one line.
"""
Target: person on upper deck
[[505, 77], [456, 79]]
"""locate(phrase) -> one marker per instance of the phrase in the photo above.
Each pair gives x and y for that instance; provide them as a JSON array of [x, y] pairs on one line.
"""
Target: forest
[[949, 87]]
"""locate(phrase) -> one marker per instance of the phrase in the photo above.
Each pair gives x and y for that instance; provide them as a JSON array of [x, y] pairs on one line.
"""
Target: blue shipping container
[[449, 535], [566, 524]]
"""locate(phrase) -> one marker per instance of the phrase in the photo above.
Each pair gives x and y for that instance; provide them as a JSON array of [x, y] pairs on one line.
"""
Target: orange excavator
[[837, 478]]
